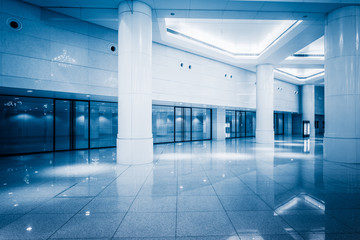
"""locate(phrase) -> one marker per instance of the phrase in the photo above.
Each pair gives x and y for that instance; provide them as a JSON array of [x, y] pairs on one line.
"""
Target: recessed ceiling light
[[29, 91]]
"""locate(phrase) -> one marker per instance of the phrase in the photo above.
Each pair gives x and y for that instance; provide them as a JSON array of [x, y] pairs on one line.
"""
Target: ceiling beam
[[299, 37]]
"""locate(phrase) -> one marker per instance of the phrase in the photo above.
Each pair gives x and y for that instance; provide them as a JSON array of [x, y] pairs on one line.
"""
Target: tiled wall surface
[[53, 52]]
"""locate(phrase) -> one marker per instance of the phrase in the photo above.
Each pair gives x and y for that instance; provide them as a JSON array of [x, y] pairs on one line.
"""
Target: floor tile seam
[[292, 227], [132, 202], [341, 221], [92, 198], [354, 185], [272, 209], [23, 214], [259, 196], [13, 221], [218, 198]]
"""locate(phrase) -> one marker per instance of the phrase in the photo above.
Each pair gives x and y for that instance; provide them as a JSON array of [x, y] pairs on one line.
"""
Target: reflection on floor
[[209, 190]]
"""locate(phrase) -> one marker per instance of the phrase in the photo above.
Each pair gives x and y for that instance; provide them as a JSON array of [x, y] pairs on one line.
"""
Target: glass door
[[81, 125], [182, 124], [62, 125]]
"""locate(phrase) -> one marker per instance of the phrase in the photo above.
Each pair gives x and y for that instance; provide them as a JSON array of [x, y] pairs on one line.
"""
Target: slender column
[[218, 124], [342, 85], [308, 106], [265, 103], [134, 141]]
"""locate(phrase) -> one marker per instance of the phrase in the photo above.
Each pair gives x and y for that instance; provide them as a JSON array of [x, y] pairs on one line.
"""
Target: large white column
[[265, 103], [218, 124], [342, 85], [134, 141], [308, 106]]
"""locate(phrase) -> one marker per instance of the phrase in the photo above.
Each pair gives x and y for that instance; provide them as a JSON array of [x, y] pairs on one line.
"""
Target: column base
[[343, 150], [265, 136], [134, 151]]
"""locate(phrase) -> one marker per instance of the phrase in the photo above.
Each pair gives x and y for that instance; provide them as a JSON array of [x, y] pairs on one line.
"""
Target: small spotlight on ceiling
[[29, 91]]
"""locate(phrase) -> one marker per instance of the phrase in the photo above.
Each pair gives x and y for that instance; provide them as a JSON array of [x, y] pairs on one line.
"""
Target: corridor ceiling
[[288, 34]]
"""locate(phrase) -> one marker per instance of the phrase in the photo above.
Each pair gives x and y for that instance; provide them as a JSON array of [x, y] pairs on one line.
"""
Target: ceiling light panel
[[247, 37], [315, 48], [302, 73]]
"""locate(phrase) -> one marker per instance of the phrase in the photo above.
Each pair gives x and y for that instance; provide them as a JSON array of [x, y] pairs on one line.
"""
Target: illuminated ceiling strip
[[282, 35], [307, 55], [301, 78], [169, 30]]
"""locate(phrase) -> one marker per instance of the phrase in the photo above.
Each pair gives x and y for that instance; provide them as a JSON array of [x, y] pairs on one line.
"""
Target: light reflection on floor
[[203, 190]]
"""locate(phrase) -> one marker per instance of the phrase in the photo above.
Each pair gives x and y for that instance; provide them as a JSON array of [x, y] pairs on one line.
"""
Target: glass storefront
[[26, 125], [240, 124], [103, 124], [62, 125], [279, 123], [30, 124], [163, 124], [201, 124], [180, 124]]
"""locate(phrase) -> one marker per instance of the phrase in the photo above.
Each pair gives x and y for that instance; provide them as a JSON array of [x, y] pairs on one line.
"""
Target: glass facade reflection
[[163, 124], [279, 123], [201, 124], [30, 124], [81, 125], [240, 124], [103, 124], [180, 124], [26, 124], [62, 124]]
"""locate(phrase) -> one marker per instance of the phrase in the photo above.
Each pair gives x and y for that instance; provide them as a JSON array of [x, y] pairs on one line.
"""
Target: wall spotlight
[[14, 24], [112, 48], [181, 64], [189, 66], [225, 75]]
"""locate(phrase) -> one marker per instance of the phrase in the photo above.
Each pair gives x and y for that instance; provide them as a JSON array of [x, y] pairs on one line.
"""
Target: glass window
[[163, 124], [26, 125], [201, 124], [103, 124], [62, 125], [279, 123], [81, 125], [250, 124], [230, 124], [182, 124]]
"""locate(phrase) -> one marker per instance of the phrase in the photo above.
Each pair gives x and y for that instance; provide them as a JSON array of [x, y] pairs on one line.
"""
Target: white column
[[308, 107], [218, 124], [342, 85], [265, 103], [134, 141]]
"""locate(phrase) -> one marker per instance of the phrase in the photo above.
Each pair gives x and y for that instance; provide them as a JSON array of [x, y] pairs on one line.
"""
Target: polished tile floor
[[233, 189]]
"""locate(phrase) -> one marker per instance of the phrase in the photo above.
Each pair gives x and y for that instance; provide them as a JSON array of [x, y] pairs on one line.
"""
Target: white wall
[[56, 53], [205, 82]]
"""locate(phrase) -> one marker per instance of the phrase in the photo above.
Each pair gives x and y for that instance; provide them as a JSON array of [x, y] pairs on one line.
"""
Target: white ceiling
[[248, 27], [236, 36]]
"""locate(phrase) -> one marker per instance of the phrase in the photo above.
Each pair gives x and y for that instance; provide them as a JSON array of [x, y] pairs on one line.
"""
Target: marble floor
[[232, 189]]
